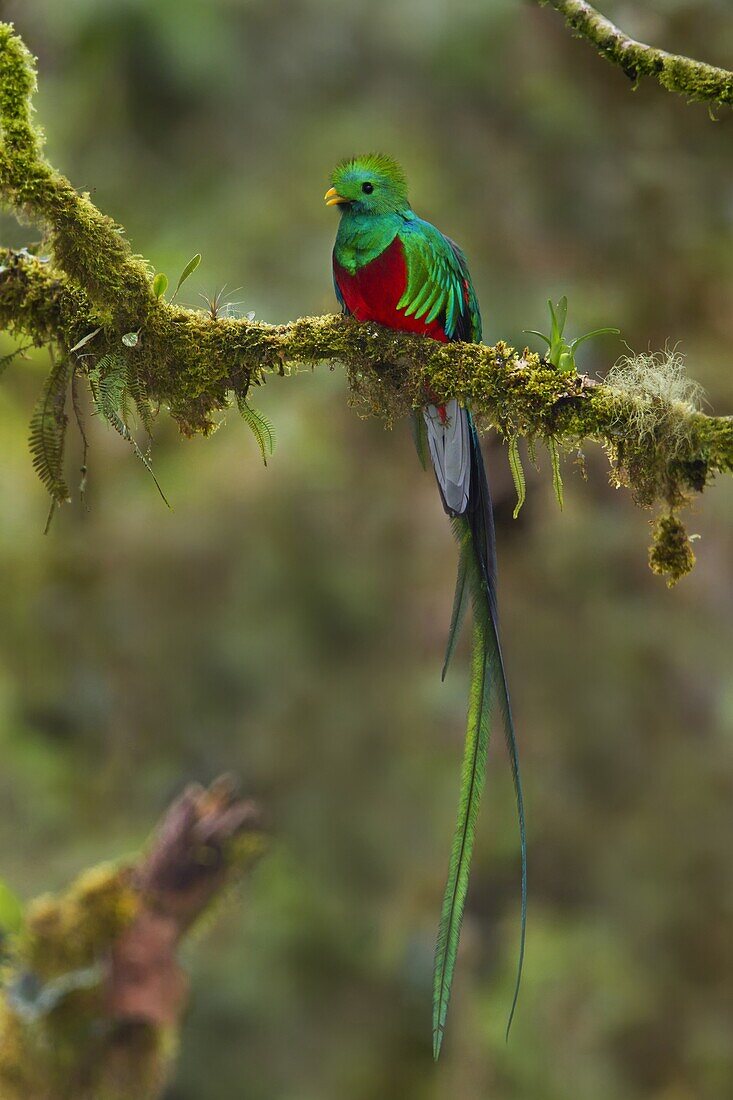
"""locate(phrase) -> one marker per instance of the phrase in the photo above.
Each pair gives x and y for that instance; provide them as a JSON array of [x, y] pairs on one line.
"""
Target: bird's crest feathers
[[378, 163], [388, 182]]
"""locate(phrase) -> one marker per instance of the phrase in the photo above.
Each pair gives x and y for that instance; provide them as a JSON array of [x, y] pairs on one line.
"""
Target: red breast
[[372, 292]]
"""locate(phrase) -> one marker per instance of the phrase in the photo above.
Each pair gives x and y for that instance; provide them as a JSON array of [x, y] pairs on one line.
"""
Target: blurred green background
[[287, 623]]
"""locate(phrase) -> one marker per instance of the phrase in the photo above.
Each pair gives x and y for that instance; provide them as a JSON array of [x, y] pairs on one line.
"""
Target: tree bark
[[93, 993]]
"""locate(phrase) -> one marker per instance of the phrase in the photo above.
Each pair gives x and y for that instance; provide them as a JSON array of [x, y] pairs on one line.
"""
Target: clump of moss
[[66, 932], [43, 1044], [102, 1063], [670, 554]]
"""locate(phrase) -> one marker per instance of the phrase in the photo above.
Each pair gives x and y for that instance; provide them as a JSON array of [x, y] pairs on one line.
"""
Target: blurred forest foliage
[[288, 622]]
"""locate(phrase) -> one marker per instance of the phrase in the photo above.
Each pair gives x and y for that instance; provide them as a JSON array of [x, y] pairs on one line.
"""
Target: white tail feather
[[449, 441]]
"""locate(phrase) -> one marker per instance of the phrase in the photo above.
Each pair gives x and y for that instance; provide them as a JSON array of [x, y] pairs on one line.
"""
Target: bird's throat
[[363, 237]]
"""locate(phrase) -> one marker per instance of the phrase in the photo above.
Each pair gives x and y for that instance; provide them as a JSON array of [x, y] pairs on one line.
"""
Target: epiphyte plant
[[561, 353]]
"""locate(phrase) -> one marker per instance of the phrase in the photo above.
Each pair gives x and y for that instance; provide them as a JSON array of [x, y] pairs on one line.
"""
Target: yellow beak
[[332, 197]]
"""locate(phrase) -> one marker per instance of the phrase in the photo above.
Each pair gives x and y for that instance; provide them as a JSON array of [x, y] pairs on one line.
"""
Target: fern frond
[[6, 360], [260, 426], [109, 385], [48, 432], [556, 475], [515, 465], [138, 393], [108, 380], [119, 425]]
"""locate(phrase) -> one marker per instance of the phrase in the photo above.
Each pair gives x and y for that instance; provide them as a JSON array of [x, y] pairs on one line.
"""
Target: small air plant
[[223, 305], [561, 354]]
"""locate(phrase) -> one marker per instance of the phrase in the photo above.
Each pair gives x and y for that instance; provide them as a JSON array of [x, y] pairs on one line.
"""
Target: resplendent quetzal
[[393, 268]]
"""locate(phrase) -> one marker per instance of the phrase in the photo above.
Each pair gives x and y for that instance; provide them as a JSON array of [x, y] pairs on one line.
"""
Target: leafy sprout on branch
[[560, 352]]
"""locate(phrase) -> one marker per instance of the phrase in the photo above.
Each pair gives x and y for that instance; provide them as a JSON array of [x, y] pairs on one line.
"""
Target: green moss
[[87, 245], [671, 554], [72, 930], [17, 86], [98, 1063], [69, 1052], [696, 80]]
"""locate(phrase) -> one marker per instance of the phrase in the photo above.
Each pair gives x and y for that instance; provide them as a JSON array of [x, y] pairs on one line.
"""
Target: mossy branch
[[86, 244], [191, 362], [694, 79], [92, 993], [94, 298]]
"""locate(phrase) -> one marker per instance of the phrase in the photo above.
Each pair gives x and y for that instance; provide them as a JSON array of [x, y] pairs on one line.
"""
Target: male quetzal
[[393, 268]]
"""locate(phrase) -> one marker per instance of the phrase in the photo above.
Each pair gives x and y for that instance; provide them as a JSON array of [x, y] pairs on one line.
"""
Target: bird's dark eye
[[367, 188]]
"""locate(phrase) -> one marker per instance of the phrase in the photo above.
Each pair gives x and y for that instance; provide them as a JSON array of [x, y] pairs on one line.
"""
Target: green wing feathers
[[438, 282]]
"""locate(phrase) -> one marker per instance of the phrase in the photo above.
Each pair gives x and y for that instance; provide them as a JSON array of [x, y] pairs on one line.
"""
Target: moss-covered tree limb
[[85, 243], [92, 992], [694, 79], [191, 362], [93, 299]]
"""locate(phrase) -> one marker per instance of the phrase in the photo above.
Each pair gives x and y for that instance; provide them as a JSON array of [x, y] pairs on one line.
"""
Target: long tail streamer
[[474, 532]]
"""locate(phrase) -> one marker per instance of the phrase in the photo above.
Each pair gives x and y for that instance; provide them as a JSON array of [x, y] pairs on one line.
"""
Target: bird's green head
[[372, 184]]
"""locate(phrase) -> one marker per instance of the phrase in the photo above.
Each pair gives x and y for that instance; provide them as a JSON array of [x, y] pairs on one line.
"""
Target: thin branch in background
[[694, 79]]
